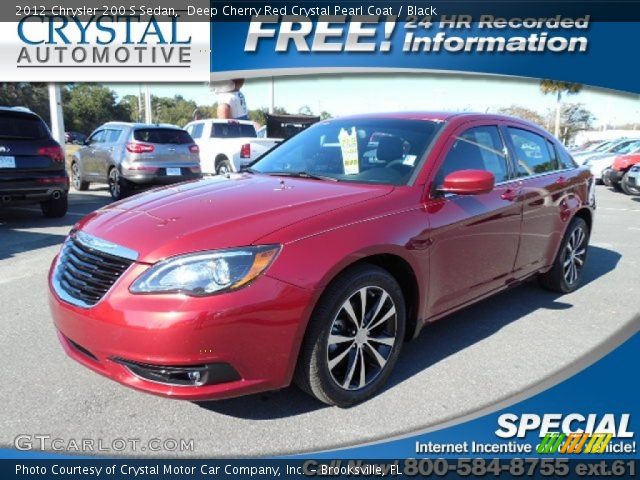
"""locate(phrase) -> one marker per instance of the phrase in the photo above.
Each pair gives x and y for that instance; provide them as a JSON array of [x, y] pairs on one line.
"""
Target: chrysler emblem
[[4, 149]]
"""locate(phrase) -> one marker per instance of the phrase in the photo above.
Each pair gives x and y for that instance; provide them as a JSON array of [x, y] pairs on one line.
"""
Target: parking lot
[[485, 354]]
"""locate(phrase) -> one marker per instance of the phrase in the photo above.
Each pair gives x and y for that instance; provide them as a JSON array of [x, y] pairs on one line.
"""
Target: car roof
[[137, 125], [443, 116], [17, 110]]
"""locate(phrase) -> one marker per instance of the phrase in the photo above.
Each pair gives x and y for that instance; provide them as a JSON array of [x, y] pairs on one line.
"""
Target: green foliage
[[34, 96], [557, 87], [87, 106]]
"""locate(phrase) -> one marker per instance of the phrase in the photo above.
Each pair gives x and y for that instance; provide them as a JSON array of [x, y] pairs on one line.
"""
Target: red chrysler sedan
[[318, 261]]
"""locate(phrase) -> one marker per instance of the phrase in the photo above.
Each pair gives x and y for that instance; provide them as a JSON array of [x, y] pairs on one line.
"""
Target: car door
[[89, 153], [545, 182], [109, 151], [474, 237]]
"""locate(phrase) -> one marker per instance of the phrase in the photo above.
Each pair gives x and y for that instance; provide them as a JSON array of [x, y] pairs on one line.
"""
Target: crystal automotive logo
[[573, 433], [102, 41]]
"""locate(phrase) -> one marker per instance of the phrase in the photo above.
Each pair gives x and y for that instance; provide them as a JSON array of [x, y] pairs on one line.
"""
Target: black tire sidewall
[[323, 385]]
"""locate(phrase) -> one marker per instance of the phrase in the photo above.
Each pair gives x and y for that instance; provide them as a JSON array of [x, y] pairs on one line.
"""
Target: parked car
[[599, 163], [618, 174], [75, 138], [130, 155], [316, 263], [610, 148], [227, 145], [32, 163], [633, 179]]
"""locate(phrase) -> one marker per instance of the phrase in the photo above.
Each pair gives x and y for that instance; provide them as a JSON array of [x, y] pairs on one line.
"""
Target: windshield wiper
[[302, 174], [248, 170]]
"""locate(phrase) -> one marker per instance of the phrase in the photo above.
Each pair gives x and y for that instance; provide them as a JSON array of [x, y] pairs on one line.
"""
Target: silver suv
[[129, 155]]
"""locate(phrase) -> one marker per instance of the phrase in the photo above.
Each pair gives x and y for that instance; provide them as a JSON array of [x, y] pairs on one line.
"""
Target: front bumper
[[256, 331]]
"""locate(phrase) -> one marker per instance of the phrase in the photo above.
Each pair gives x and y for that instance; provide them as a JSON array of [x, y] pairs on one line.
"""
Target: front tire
[[55, 207], [354, 337], [627, 188], [567, 269]]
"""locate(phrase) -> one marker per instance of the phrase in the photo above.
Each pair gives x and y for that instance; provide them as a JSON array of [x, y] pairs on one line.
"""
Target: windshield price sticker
[[349, 146]]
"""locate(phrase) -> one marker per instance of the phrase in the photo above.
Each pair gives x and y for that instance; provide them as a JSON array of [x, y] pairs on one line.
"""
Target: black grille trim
[[84, 275]]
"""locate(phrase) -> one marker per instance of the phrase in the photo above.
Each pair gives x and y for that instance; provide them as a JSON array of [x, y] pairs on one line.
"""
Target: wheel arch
[[402, 271]]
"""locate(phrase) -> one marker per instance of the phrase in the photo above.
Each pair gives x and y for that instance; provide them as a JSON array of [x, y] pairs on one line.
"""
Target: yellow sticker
[[349, 146]]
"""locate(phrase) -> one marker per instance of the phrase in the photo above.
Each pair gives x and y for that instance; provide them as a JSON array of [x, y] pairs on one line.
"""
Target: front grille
[[86, 274]]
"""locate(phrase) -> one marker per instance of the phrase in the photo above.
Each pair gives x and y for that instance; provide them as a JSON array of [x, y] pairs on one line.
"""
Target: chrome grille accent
[[85, 271]]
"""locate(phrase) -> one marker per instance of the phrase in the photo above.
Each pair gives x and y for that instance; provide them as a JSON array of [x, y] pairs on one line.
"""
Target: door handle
[[509, 194], [562, 181]]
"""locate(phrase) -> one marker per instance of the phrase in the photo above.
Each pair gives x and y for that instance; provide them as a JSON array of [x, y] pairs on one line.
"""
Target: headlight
[[205, 273]]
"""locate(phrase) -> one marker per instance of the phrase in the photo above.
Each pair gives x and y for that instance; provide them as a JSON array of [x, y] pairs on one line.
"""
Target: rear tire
[[346, 357], [567, 269], [626, 188], [55, 208], [223, 167], [617, 186], [119, 188], [605, 179], [76, 178]]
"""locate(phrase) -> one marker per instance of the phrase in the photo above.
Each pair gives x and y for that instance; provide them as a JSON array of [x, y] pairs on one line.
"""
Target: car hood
[[219, 212]]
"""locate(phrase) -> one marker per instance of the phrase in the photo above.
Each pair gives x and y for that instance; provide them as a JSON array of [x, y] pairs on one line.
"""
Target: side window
[[566, 160], [196, 131], [98, 137], [113, 135], [533, 155], [479, 148]]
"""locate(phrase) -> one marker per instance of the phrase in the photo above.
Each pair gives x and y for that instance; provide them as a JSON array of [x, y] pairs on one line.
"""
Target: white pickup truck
[[227, 145]]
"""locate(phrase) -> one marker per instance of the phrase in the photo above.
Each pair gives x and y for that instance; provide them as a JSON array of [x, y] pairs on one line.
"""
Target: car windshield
[[633, 147], [21, 126], [380, 151], [170, 136]]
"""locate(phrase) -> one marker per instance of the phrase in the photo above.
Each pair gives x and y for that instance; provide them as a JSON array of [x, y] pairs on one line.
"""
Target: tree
[[575, 118], [324, 115], [524, 113], [175, 111], [131, 105], [558, 88], [34, 96], [305, 110], [87, 106]]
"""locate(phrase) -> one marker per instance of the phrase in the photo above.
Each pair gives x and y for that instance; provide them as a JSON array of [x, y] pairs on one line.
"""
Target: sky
[[363, 93]]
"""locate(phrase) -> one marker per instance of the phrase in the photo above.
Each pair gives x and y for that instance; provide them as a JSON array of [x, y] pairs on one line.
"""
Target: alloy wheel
[[574, 255], [75, 174], [361, 338], [114, 183]]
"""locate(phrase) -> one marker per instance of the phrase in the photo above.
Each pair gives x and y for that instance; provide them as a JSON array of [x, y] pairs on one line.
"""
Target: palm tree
[[557, 87]]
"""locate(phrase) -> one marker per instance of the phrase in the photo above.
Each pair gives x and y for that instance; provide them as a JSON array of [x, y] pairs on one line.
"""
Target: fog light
[[186, 376]]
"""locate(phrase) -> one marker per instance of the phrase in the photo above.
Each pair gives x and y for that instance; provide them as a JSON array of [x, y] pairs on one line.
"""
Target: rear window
[[162, 136], [232, 130], [22, 126]]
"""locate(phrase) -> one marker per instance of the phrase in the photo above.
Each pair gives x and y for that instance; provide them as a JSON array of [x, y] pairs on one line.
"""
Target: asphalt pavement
[[488, 353]]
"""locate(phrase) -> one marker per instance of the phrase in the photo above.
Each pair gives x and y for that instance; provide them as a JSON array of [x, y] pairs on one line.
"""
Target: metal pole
[[148, 116], [55, 109]]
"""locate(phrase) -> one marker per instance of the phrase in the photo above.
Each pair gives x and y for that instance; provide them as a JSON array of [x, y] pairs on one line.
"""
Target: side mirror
[[468, 182]]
